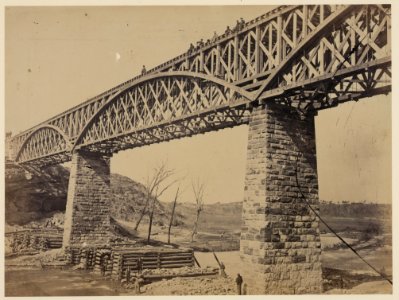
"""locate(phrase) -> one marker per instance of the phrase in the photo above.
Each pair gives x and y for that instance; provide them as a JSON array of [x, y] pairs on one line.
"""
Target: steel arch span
[[47, 144], [156, 108], [162, 107], [308, 57]]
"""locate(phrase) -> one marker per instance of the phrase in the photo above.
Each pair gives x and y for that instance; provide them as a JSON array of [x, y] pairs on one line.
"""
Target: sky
[[57, 57]]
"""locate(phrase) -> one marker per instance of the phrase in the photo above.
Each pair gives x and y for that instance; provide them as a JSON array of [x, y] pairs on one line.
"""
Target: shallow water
[[56, 283]]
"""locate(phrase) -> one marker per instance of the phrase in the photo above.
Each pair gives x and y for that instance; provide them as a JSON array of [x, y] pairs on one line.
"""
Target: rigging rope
[[332, 230]]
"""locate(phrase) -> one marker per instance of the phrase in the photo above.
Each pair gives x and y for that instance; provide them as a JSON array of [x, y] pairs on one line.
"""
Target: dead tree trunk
[[195, 228], [143, 211], [172, 214], [150, 224], [198, 190]]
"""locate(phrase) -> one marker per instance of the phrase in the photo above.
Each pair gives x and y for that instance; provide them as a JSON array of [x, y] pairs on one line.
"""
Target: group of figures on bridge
[[239, 26]]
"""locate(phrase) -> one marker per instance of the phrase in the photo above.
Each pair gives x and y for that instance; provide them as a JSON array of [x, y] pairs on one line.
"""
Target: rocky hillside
[[129, 199], [32, 197]]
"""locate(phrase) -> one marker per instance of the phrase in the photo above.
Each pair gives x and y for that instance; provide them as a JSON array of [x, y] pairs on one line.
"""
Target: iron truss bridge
[[307, 57]]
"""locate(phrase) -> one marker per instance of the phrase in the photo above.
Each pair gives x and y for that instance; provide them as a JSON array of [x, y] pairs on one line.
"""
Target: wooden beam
[[235, 61], [353, 40], [218, 52], [305, 21], [279, 39], [321, 13], [201, 61], [257, 50]]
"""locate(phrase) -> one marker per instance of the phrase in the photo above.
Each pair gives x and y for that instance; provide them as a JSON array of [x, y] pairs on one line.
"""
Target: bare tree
[[173, 213], [198, 190], [155, 187], [161, 173]]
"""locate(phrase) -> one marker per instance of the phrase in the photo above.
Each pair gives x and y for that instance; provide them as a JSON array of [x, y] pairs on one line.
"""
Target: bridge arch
[[42, 141], [166, 82]]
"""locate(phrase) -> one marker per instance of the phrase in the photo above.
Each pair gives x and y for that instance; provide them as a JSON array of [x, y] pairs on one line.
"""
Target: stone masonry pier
[[87, 218], [280, 239]]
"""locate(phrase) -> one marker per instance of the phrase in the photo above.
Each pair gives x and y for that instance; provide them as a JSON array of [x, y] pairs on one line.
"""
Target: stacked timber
[[54, 241], [76, 254], [35, 240], [177, 259], [116, 273], [101, 261], [131, 260], [150, 260], [136, 260], [118, 263], [90, 258]]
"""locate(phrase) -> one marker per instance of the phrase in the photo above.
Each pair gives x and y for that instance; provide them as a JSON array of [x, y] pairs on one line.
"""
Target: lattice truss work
[[164, 108], [351, 60], [46, 143], [309, 57], [70, 122]]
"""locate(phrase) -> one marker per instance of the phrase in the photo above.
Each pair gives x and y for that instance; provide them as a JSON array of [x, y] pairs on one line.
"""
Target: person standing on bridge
[[191, 49], [237, 27], [215, 37], [228, 31], [143, 70], [200, 43], [242, 23]]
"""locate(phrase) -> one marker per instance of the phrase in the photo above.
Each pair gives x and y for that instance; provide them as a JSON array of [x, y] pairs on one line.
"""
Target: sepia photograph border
[[395, 123]]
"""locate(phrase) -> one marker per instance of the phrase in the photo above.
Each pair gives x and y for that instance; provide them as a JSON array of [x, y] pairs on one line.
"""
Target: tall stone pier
[[280, 238], [87, 220]]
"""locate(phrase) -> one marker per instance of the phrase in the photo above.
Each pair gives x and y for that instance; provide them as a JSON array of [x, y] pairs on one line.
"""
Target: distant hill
[[129, 199], [360, 210], [34, 197], [222, 217], [217, 218]]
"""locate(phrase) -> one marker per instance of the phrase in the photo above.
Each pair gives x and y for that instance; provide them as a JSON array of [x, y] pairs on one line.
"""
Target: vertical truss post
[[218, 52], [201, 66], [353, 39], [187, 64], [257, 50], [305, 21], [321, 13], [279, 39], [235, 62]]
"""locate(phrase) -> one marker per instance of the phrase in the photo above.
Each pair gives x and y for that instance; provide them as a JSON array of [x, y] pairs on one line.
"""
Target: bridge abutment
[[280, 238], [87, 215]]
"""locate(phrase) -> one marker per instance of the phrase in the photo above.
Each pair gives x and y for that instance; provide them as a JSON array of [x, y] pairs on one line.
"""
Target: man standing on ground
[[239, 283]]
